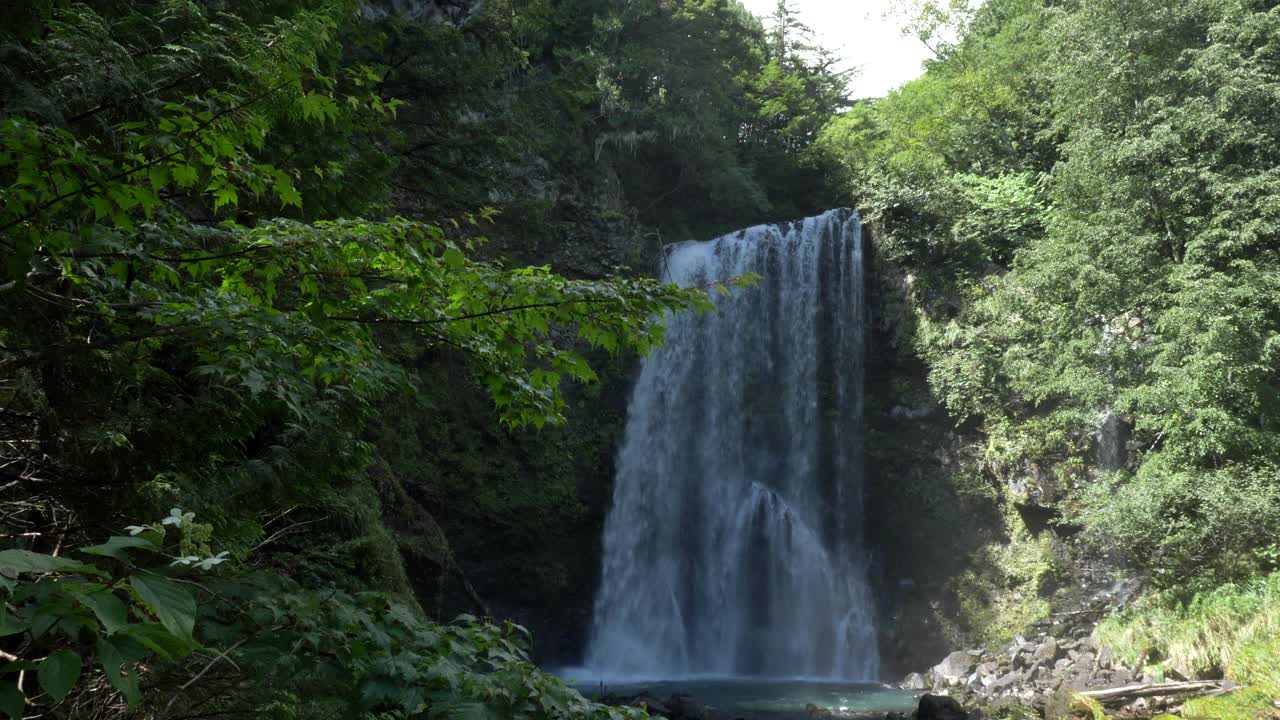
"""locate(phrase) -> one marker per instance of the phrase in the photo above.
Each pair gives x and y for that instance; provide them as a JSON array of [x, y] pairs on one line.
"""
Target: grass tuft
[[1196, 634], [1233, 629]]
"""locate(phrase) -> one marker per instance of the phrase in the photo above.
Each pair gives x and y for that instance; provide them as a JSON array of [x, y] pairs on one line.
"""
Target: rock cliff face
[[962, 557], [968, 554], [926, 516], [952, 542], [491, 520], [980, 580], [509, 523]]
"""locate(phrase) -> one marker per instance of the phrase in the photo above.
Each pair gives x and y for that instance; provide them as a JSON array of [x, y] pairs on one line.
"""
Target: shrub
[[128, 622], [1177, 523]]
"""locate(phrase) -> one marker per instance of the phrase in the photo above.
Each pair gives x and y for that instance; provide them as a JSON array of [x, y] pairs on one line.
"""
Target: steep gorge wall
[[969, 553], [960, 558], [504, 522], [509, 522], [963, 555], [922, 521]]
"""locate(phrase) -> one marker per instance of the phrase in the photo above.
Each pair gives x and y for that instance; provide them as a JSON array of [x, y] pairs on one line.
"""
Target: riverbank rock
[[684, 707], [1041, 670], [1056, 657], [679, 706], [955, 666], [940, 707]]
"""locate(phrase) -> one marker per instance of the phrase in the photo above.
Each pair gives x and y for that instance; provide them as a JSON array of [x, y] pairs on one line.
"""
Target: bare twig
[[282, 532], [222, 655]]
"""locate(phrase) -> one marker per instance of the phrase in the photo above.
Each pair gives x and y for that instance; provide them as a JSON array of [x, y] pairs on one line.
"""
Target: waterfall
[[734, 542], [1112, 437]]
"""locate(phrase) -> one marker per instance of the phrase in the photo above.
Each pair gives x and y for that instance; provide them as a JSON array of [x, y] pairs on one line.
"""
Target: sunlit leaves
[[318, 107], [338, 282], [185, 175], [1085, 196]]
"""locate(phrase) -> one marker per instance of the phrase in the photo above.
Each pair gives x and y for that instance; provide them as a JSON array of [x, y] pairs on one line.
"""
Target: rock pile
[[1063, 654]]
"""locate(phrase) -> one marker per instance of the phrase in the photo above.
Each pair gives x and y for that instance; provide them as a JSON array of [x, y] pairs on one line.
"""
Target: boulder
[[939, 707], [1048, 650], [914, 681], [1006, 682], [1086, 660], [955, 666], [813, 711], [652, 704], [682, 706], [1080, 683], [1106, 658], [1121, 676]]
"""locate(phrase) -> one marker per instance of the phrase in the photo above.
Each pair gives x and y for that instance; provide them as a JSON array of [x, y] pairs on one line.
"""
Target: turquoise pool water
[[756, 697]]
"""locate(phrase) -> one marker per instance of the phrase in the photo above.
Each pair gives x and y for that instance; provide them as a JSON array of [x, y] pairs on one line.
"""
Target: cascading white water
[[734, 543]]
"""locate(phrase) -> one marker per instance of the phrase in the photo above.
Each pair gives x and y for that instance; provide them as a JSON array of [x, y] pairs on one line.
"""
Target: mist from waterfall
[[734, 544]]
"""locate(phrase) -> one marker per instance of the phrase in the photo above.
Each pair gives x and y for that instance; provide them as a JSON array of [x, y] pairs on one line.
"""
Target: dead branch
[[1129, 693]]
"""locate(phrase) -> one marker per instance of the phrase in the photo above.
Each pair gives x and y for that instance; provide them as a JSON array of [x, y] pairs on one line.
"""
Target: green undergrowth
[[1083, 706], [1257, 667], [1197, 633], [1233, 630]]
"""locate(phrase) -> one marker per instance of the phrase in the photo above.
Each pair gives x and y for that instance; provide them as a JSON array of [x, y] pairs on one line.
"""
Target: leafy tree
[[1085, 192], [207, 301]]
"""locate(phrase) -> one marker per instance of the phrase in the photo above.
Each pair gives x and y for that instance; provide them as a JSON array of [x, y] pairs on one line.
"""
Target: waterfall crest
[[734, 543]]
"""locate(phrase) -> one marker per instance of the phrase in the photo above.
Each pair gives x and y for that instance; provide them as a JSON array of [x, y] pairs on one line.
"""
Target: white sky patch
[[857, 31]]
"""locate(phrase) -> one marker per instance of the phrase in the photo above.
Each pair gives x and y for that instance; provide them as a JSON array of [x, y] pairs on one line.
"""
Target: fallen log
[[1130, 693]]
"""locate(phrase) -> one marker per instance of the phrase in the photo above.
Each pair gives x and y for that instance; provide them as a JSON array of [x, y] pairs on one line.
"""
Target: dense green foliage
[[283, 264], [244, 267], [1083, 196], [325, 654], [701, 117]]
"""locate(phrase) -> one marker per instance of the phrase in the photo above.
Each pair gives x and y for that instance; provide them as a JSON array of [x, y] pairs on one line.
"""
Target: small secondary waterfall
[[734, 543]]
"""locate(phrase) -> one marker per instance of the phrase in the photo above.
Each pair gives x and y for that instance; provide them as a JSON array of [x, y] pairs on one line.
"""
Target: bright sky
[[858, 32]]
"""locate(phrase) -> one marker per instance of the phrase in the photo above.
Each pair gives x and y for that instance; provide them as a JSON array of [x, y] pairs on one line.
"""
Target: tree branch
[[473, 316], [146, 165]]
